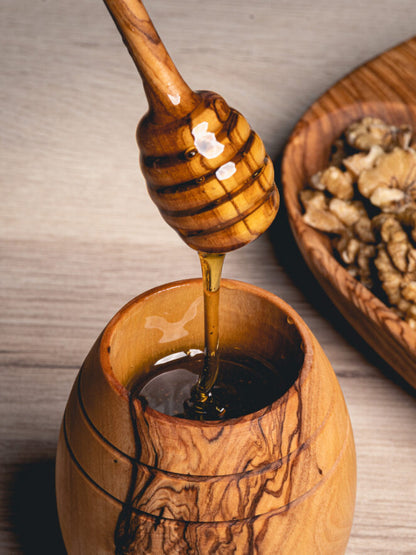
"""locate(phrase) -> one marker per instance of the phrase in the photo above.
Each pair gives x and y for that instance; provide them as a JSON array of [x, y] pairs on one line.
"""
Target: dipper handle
[[205, 168], [161, 79]]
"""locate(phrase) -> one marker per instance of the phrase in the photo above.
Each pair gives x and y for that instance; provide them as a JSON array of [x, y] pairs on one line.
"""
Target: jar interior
[[168, 323]]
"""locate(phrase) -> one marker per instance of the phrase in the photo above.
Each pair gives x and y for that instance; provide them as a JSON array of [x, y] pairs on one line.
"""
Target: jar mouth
[[169, 319]]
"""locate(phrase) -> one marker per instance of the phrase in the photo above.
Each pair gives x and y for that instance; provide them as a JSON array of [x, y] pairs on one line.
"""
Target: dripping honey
[[217, 383], [203, 404]]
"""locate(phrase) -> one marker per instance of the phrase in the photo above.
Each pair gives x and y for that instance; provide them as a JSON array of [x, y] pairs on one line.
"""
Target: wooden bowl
[[280, 480], [386, 88]]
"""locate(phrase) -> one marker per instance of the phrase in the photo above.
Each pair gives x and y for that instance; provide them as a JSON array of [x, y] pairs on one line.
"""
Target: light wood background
[[79, 235]]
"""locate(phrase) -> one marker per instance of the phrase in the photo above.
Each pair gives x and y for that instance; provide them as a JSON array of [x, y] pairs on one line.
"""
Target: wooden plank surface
[[79, 235]]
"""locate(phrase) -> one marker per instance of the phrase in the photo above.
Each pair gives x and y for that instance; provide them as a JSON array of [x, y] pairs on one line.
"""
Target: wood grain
[[279, 479], [79, 235], [385, 88], [205, 168]]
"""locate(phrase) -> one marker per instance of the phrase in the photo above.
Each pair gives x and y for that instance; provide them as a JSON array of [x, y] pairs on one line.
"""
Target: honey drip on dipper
[[206, 170]]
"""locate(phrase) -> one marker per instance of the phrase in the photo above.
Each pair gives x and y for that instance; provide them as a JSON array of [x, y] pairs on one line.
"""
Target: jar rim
[[227, 284]]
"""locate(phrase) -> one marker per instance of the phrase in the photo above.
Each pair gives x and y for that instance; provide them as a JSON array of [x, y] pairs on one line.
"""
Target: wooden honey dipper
[[206, 169]]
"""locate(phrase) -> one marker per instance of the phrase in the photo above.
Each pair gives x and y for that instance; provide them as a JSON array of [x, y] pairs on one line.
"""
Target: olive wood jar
[[130, 479]]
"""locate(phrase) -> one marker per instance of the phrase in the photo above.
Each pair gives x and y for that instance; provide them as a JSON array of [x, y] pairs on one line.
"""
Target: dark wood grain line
[[231, 222], [227, 197]]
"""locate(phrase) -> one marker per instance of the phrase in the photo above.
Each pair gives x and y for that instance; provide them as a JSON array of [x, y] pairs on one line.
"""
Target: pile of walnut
[[366, 200]]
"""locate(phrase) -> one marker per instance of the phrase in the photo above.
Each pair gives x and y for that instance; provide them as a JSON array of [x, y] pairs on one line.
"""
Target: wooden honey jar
[[130, 479]]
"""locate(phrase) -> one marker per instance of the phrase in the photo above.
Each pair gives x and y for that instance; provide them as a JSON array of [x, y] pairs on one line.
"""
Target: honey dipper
[[205, 168]]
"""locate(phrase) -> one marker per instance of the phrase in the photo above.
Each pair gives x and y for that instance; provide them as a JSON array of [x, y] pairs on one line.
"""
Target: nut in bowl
[[383, 94]]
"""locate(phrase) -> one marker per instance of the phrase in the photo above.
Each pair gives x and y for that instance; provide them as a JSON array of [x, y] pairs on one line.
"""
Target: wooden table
[[79, 235]]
